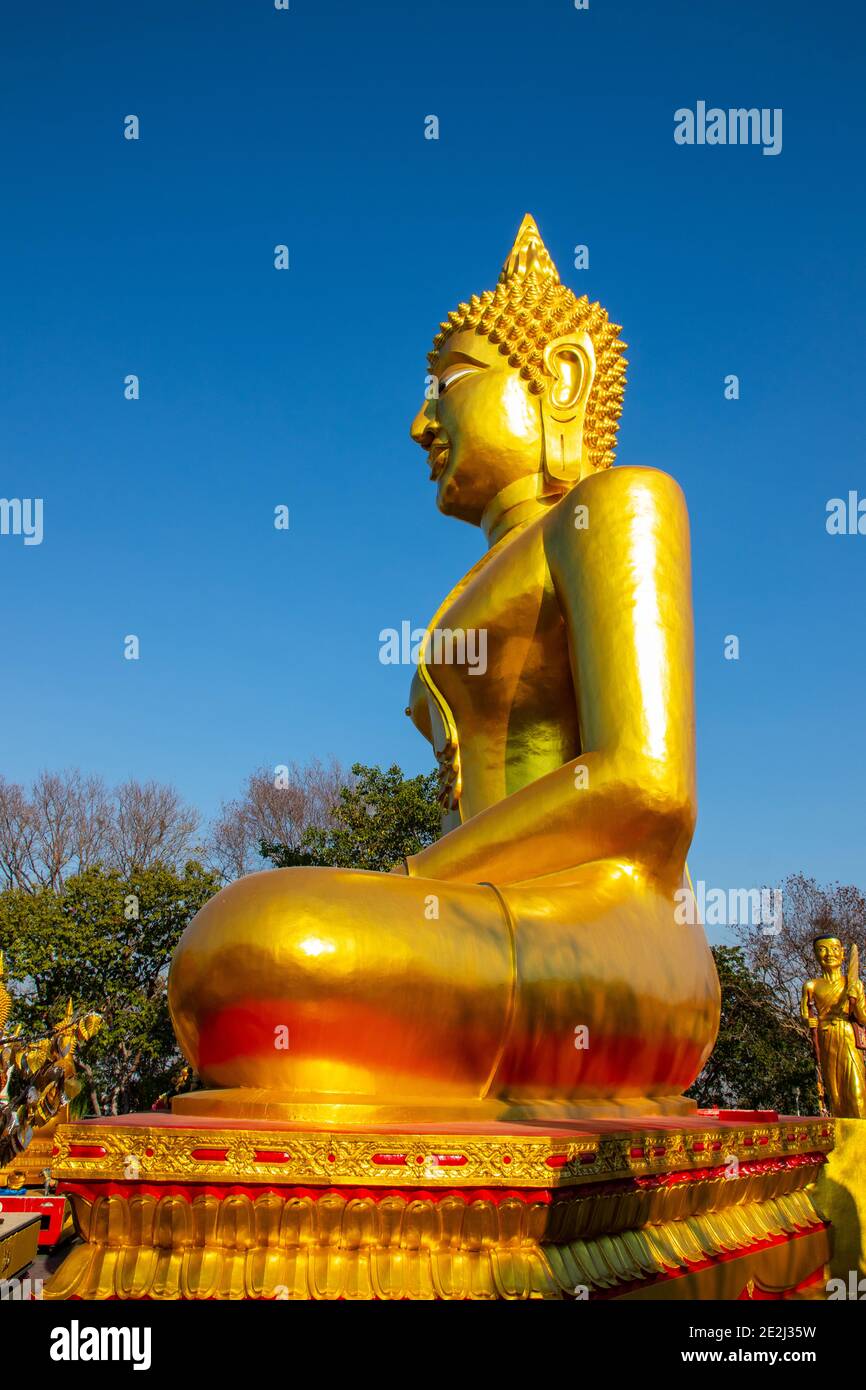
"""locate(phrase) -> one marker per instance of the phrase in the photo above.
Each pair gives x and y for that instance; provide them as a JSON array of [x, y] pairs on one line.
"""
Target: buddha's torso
[[517, 719], [831, 999]]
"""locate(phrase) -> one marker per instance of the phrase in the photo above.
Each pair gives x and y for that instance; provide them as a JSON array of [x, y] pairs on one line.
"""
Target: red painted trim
[[752, 1117], [93, 1190], [97, 1188], [560, 1160], [748, 1168]]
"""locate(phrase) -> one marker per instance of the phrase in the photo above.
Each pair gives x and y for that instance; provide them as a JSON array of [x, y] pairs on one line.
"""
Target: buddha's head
[[527, 382], [829, 953]]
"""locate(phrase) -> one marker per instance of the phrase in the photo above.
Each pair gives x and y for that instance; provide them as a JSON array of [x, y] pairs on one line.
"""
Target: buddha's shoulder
[[612, 488], [608, 503]]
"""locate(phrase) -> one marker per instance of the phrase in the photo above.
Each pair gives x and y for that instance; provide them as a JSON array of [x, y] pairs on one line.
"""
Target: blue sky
[[261, 387]]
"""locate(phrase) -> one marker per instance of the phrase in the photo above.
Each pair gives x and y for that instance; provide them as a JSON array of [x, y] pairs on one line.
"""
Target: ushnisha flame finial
[[529, 308], [529, 255]]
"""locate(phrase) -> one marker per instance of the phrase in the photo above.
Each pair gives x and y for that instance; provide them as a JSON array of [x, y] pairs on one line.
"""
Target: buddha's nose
[[424, 426]]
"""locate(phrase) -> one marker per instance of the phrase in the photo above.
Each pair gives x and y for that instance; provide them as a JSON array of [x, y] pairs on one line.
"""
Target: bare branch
[[277, 807], [150, 825]]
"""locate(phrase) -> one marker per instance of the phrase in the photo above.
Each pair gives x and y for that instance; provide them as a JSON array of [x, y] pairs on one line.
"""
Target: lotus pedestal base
[[715, 1206]]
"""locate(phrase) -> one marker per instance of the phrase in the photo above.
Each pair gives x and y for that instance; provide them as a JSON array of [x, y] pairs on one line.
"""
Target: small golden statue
[[37, 1080], [834, 1007], [529, 964]]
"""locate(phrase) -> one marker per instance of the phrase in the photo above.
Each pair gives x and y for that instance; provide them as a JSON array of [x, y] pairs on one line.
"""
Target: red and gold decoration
[[37, 1081], [711, 1207]]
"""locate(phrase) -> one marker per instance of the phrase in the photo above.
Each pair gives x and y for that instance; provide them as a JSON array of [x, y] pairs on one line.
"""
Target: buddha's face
[[830, 953], [483, 432]]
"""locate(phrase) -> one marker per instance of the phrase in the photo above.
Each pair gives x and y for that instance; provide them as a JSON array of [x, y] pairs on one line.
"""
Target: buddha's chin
[[447, 494], [451, 502]]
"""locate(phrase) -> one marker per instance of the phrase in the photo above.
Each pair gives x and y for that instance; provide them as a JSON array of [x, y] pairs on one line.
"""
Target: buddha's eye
[[452, 377]]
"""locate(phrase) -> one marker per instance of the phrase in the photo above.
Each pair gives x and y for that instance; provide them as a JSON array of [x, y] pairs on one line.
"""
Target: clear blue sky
[[260, 387]]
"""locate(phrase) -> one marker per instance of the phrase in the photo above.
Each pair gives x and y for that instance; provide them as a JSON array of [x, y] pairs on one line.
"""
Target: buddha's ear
[[569, 365]]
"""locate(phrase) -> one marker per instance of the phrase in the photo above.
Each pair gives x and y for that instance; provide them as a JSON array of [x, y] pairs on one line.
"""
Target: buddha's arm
[[805, 1005], [624, 584], [857, 1004]]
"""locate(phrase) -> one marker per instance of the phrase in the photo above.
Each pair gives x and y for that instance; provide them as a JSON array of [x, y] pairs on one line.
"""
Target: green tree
[[762, 1059], [378, 819], [104, 940]]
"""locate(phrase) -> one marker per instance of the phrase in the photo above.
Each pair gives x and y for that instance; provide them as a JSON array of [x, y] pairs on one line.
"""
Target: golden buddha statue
[[834, 1006], [529, 964]]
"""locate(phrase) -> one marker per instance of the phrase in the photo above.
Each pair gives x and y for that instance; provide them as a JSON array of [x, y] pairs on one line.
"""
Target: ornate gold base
[[702, 1208]]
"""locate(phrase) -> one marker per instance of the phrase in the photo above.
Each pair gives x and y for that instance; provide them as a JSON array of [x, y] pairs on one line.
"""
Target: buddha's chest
[[501, 633], [831, 999], [497, 657]]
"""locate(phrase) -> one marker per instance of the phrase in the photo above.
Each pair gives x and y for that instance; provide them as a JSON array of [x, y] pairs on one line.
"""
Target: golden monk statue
[[835, 1007], [528, 964]]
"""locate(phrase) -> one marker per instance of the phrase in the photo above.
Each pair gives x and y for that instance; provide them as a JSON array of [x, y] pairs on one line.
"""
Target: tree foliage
[[762, 1059], [379, 818], [104, 939]]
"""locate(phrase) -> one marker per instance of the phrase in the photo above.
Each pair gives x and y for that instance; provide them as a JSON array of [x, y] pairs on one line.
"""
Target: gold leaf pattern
[[165, 1153]]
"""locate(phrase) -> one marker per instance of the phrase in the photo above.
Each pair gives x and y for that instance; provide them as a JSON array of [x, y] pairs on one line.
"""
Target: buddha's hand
[[857, 1002]]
